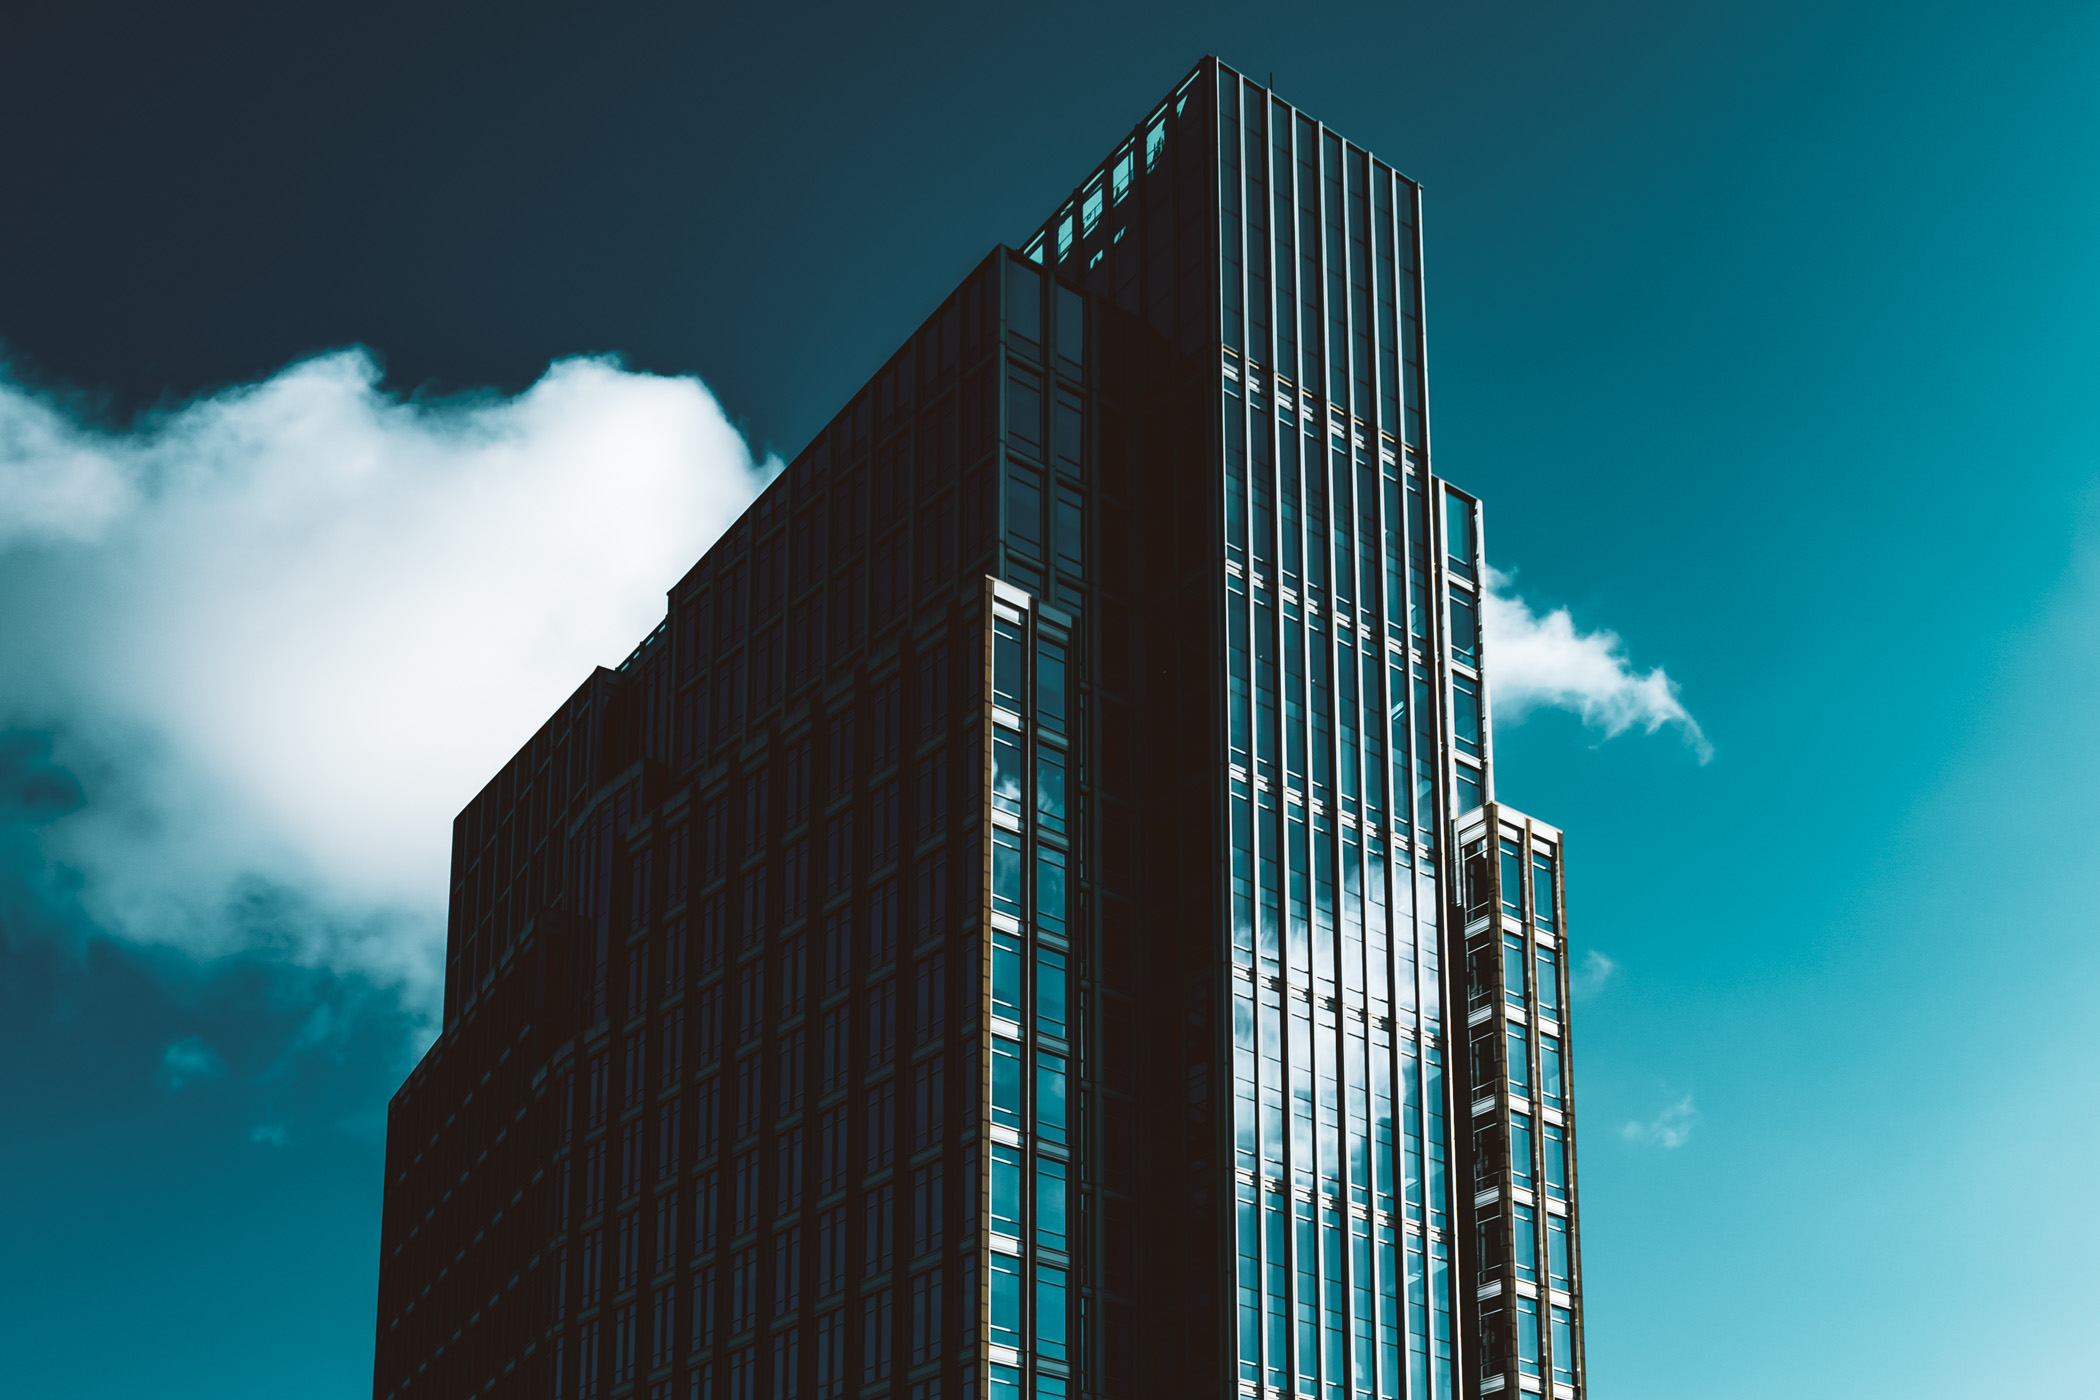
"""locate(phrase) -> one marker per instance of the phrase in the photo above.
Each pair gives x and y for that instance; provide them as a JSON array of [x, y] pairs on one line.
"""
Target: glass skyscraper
[[1034, 918]]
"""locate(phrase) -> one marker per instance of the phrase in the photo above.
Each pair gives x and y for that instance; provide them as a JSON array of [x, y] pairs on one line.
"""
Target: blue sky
[[1770, 335]]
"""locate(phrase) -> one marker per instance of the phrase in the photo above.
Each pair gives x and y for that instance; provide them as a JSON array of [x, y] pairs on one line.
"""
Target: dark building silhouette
[[1034, 917]]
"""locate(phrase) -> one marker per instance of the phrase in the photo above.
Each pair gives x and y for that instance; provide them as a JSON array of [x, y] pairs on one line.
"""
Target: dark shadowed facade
[[1034, 918]]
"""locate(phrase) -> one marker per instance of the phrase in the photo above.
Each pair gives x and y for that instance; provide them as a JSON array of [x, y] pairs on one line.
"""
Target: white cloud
[[286, 631], [1669, 1129], [1590, 975], [188, 1059], [1543, 661]]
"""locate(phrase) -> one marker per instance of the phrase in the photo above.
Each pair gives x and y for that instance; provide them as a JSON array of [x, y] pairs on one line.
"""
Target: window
[[1563, 1346], [1556, 1162], [1006, 770], [831, 1252], [1006, 976], [1006, 1301], [787, 1351], [1050, 788], [882, 1022], [1006, 1082], [1050, 1097], [1006, 1190], [1006, 873], [1006, 664], [1542, 901], [1559, 1258], [1071, 532], [1465, 629], [1520, 1152], [787, 1270], [1525, 1248], [1527, 1336], [878, 1238], [882, 1124], [1050, 889], [1050, 992], [1050, 1312], [1465, 715], [1512, 879], [1050, 1203], [1458, 522], [1519, 1061], [1549, 984], [1471, 794], [930, 1090], [1550, 1090], [831, 1355], [925, 1321], [1050, 686], [926, 1211], [1070, 434], [1513, 969], [1024, 309], [930, 976], [1024, 510], [1071, 314]]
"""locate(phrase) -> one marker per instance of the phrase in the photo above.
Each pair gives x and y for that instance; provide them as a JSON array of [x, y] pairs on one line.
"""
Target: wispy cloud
[[1589, 976], [1669, 1129], [189, 1059], [282, 634], [1544, 661], [269, 1134]]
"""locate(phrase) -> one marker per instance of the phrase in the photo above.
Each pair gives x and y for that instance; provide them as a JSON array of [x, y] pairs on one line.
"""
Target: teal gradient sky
[[1770, 335]]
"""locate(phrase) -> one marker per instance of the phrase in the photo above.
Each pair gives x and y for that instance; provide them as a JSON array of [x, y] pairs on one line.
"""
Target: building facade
[[1034, 918]]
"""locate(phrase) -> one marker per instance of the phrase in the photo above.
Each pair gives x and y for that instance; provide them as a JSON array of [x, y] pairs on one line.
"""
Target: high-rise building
[[1034, 919]]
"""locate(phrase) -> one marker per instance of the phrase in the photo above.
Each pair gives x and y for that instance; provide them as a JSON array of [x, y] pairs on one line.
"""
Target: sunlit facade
[[999, 936]]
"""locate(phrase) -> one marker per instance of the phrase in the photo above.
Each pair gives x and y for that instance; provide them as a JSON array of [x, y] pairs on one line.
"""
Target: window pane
[[1549, 984], [1513, 968], [1050, 1097], [1071, 332], [1512, 880], [1071, 554], [1006, 1301], [1050, 992], [1024, 510], [1524, 1247], [1542, 891], [1050, 889], [1520, 1151], [1070, 435], [1006, 771], [1558, 1272], [1465, 629], [1050, 686], [1050, 1312], [1006, 976], [1465, 715], [1519, 1062], [1050, 788], [1006, 1082], [1006, 1190], [1549, 1070], [1006, 872], [1556, 1162], [1024, 309], [1563, 1347], [1458, 517], [1024, 413], [1050, 1203], [1006, 665]]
